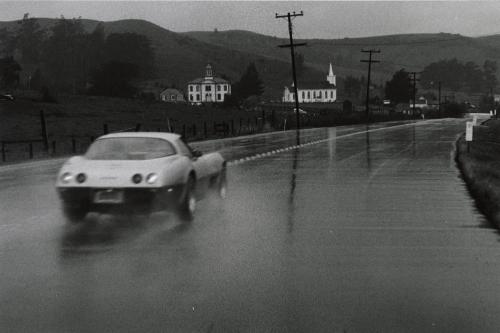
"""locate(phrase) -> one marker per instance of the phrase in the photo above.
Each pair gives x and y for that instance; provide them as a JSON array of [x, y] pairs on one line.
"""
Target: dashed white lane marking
[[280, 150]]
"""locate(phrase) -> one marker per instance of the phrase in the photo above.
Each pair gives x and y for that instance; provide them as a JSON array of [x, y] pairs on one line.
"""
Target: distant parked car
[[6, 97], [139, 172]]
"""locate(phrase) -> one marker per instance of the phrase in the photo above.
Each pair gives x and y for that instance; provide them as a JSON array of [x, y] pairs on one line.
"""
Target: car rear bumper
[[131, 199]]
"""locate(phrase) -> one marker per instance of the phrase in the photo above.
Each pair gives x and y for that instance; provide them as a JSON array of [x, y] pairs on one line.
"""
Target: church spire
[[331, 77]]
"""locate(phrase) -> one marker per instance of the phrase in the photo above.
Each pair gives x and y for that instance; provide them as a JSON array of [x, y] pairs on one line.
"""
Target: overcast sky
[[327, 19]]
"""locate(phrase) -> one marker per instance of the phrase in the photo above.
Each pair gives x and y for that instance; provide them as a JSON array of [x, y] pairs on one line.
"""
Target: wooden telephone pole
[[292, 45], [413, 78], [369, 61]]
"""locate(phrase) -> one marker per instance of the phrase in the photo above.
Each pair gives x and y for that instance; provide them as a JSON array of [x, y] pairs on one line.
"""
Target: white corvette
[[138, 172]]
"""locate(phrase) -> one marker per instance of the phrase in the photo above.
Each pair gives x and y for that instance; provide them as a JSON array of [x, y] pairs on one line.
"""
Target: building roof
[[155, 135], [171, 91], [214, 80], [315, 85]]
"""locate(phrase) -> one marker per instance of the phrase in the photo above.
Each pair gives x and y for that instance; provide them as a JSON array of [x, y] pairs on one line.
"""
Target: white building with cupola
[[314, 92], [208, 89]]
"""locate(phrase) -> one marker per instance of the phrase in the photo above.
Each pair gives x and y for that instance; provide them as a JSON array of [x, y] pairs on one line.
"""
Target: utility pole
[[292, 45], [413, 78], [369, 61]]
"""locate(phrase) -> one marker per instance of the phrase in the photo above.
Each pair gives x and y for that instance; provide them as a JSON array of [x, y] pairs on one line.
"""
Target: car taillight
[[137, 178], [81, 177], [66, 177], [151, 178]]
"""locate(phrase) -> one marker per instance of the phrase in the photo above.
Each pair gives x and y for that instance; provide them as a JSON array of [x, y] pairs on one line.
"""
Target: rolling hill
[[411, 51], [180, 57]]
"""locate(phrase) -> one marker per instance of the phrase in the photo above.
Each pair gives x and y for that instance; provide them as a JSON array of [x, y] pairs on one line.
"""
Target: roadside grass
[[480, 168]]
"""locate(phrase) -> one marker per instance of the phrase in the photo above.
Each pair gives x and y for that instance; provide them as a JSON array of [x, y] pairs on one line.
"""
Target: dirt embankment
[[480, 168]]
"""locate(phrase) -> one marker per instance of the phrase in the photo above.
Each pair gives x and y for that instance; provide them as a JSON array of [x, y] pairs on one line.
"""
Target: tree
[[29, 40], [94, 50], [455, 75], [64, 56], [9, 72], [250, 83], [130, 48], [489, 72], [352, 87], [398, 88], [114, 79], [36, 80]]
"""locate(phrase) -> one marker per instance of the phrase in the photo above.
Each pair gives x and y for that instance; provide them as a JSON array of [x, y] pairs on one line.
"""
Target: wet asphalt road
[[358, 232]]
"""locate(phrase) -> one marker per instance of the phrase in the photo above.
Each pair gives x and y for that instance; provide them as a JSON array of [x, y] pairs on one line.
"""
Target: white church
[[319, 92]]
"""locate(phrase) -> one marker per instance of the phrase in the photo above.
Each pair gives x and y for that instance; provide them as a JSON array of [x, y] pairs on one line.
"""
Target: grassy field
[[82, 118], [480, 168], [74, 121]]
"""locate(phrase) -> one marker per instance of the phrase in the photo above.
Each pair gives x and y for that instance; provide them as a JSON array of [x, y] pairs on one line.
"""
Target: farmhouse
[[171, 95], [314, 92], [209, 88]]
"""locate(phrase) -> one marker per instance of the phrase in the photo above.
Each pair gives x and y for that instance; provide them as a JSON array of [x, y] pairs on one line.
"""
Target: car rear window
[[129, 148]]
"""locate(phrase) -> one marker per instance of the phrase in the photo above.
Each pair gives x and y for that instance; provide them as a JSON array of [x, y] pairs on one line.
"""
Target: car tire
[[74, 214], [188, 204]]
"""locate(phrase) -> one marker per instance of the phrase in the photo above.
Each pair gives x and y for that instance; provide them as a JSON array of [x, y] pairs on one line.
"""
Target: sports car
[[139, 172]]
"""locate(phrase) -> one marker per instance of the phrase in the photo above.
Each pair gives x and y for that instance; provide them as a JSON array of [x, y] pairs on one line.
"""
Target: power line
[[289, 16], [369, 61]]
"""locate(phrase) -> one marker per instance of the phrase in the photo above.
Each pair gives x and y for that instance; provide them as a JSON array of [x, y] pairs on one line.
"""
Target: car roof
[[155, 135]]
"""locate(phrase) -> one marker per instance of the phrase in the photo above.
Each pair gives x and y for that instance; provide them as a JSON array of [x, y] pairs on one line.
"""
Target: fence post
[[3, 152], [138, 127], [73, 145], [232, 127], [241, 124], [31, 150], [205, 129], [54, 147], [184, 131], [105, 128], [45, 136], [194, 130]]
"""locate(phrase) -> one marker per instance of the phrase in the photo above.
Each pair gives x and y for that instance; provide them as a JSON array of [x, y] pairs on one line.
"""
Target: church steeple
[[331, 77]]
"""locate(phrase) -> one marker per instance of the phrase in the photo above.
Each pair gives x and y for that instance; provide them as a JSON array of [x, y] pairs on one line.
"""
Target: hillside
[[411, 51], [180, 58]]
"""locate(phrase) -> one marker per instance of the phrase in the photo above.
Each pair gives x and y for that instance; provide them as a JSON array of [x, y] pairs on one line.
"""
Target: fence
[[52, 145], [196, 126]]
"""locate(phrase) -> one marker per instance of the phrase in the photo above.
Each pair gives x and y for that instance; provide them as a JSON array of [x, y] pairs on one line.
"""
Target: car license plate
[[110, 196]]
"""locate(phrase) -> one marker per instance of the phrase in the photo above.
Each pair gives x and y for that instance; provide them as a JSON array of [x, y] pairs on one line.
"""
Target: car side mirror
[[197, 153]]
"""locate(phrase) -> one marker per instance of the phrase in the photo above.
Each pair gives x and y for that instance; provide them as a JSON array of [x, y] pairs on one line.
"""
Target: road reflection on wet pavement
[[362, 231]]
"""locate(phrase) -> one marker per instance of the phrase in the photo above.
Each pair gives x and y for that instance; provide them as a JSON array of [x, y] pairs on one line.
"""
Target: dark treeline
[[455, 75], [66, 58]]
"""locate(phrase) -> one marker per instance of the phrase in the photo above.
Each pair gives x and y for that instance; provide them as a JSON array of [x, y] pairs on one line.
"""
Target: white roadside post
[[474, 120], [469, 126]]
